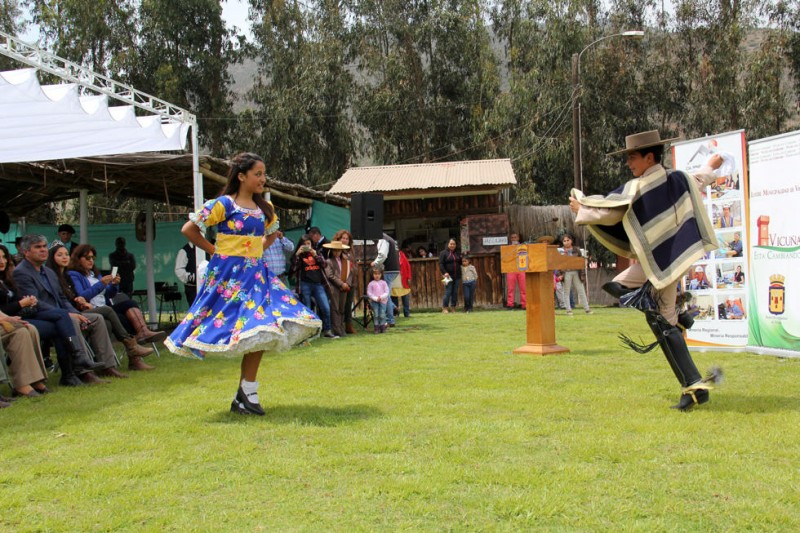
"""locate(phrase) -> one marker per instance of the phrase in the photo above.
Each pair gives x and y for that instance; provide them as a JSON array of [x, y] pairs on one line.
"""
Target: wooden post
[[538, 261]]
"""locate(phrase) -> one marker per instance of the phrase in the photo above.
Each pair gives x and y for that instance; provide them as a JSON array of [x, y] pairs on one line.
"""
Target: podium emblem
[[522, 258]]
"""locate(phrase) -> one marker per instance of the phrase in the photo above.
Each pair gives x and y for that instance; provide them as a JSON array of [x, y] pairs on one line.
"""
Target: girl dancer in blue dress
[[240, 309]]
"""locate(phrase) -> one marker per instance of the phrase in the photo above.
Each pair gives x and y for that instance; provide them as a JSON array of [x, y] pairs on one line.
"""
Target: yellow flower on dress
[[276, 312], [250, 304], [239, 324]]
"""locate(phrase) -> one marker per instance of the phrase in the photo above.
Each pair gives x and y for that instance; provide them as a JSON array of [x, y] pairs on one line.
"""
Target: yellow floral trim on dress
[[206, 217]]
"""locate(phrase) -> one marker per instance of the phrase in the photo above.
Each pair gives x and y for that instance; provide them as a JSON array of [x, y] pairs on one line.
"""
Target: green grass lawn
[[434, 425]]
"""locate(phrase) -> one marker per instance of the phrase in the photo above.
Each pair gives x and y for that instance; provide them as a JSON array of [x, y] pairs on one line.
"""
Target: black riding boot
[[80, 359], [64, 356], [672, 343]]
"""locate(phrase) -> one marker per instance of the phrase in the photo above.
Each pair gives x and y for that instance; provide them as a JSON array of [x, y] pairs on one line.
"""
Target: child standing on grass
[[469, 277], [378, 293]]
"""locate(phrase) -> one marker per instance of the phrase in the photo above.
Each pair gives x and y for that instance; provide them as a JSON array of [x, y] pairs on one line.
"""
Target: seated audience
[[58, 260], [20, 339], [21, 344], [103, 291], [52, 315]]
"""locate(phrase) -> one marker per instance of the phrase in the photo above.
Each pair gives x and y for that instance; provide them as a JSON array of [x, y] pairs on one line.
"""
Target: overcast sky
[[234, 12]]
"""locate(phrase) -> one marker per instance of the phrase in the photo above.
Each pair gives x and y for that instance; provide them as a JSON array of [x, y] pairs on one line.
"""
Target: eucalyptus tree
[[10, 16], [302, 91], [532, 122], [10, 23], [427, 77], [182, 55], [99, 34]]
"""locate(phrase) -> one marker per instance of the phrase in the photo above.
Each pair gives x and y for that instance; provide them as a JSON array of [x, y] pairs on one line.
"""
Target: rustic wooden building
[[427, 204]]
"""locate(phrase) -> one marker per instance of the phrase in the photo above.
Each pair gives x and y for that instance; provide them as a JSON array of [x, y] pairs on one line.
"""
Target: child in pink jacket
[[378, 294]]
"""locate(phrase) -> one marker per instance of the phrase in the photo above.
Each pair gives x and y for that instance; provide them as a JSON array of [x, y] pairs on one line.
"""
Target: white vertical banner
[[775, 247], [718, 282]]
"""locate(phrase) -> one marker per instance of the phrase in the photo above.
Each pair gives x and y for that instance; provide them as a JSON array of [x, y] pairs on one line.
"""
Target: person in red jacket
[[405, 279]]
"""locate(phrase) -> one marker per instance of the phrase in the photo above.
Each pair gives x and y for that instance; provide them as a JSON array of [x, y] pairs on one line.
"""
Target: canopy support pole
[[199, 254], [84, 216], [148, 252]]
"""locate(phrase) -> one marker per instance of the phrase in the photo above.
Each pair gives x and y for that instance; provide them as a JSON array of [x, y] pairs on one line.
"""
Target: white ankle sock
[[250, 389]]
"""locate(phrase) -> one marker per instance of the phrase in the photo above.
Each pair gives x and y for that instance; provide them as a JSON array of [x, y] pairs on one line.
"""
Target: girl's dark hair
[[62, 274], [82, 250], [6, 275], [242, 163]]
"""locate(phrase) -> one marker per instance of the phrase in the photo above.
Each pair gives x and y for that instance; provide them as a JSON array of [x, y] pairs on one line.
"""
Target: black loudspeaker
[[366, 216]]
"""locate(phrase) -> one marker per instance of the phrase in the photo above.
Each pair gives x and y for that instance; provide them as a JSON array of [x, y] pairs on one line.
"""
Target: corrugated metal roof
[[426, 176]]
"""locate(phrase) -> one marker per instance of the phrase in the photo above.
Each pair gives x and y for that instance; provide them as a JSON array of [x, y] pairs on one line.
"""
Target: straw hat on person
[[336, 245], [646, 139]]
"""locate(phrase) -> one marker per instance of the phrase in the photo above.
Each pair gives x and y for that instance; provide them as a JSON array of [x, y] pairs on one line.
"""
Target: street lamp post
[[577, 156]]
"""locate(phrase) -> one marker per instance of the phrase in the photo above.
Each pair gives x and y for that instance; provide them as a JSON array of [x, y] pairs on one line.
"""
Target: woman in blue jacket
[[101, 290]]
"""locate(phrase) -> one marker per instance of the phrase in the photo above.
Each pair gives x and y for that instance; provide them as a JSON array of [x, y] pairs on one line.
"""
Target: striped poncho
[[665, 226]]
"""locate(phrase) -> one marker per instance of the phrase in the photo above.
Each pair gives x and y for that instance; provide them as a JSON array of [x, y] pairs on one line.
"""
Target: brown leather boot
[[132, 348], [111, 373], [136, 363], [143, 333], [349, 329], [92, 379]]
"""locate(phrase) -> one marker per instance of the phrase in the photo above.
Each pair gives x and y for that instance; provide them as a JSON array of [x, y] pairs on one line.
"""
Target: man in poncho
[[657, 218]]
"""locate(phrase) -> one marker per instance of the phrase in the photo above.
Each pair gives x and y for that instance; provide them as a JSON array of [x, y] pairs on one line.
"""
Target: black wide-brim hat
[[66, 227]]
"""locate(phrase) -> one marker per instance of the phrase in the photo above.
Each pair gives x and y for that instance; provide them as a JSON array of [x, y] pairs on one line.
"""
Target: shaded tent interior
[[160, 177]]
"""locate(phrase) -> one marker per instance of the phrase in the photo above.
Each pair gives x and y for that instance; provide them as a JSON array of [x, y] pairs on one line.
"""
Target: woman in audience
[[20, 339], [58, 260], [346, 238], [450, 268], [100, 291], [341, 275]]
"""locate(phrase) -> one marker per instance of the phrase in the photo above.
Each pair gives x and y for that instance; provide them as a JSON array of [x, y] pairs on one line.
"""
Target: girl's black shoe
[[244, 402]]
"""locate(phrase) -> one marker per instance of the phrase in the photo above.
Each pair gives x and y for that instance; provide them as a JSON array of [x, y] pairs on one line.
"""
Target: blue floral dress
[[240, 307]]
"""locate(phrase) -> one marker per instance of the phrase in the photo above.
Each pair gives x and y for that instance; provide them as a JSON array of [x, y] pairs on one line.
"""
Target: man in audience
[[186, 270], [275, 256], [388, 257], [318, 239], [34, 278], [65, 233], [125, 263]]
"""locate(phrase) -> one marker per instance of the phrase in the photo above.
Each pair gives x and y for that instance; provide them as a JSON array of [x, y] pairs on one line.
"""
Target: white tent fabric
[[40, 123]]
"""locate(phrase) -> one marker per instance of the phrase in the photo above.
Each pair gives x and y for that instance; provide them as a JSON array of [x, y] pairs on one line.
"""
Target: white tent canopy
[[58, 122], [47, 122]]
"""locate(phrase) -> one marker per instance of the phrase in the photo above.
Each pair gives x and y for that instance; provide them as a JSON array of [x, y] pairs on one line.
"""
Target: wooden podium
[[538, 261]]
